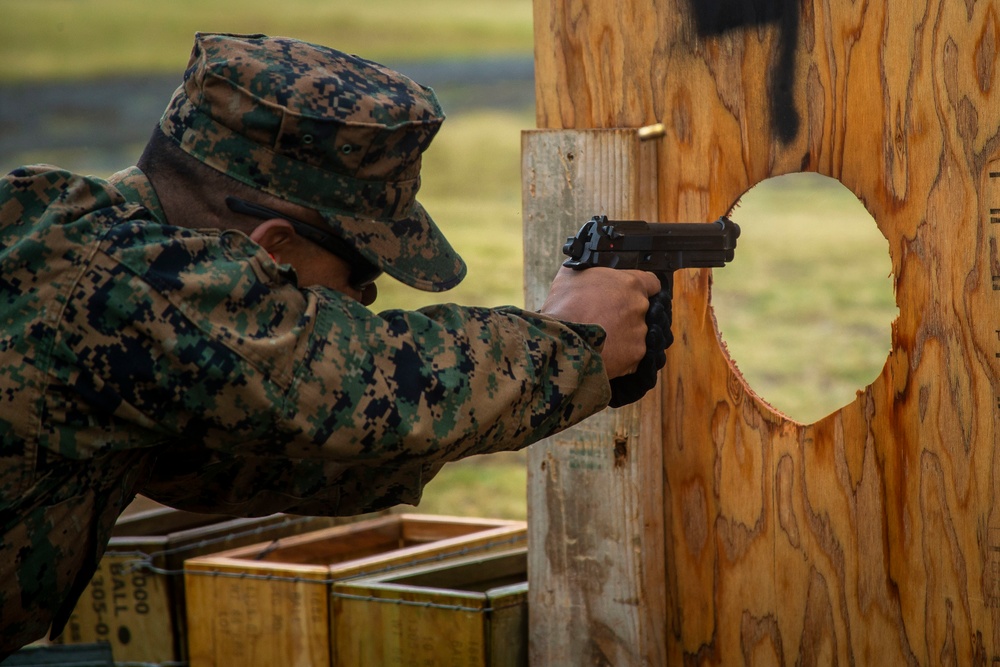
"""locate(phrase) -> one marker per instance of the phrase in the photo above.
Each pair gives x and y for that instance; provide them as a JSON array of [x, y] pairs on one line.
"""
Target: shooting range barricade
[[701, 525], [270, 603], [468, 612], [135, 600]]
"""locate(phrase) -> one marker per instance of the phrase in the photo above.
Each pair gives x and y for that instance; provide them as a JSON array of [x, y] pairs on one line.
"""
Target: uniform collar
[[136, 188]]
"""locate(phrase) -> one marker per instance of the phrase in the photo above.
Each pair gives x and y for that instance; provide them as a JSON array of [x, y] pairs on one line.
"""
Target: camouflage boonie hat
[[324, 129]]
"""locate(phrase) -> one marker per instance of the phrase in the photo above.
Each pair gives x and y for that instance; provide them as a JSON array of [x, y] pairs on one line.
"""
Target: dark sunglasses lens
[[363, 275]]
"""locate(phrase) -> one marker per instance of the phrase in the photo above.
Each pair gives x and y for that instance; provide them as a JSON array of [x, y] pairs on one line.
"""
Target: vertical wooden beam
[[595, 565]]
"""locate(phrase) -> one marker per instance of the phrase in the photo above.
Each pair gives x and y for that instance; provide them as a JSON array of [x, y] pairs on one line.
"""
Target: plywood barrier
[[724, 532]]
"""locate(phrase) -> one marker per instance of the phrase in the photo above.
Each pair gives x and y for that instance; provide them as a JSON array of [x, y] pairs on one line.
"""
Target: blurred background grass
[[805, 309], [78, 38]]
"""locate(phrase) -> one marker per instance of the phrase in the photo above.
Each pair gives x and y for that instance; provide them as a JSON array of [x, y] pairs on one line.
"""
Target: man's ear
[[274, 235]]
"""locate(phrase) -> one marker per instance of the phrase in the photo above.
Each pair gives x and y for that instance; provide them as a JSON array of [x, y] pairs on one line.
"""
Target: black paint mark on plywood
[[716, 17]]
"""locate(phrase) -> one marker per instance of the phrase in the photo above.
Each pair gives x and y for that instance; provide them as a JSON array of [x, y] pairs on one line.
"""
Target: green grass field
[[59, 39], [55, 39], [805, 309]]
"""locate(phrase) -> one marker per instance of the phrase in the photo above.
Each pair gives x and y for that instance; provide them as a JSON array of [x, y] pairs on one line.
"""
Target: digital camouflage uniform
[[186, 365]]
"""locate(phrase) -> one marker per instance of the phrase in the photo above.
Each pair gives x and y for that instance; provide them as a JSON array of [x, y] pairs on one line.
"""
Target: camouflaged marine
[[186, 364]]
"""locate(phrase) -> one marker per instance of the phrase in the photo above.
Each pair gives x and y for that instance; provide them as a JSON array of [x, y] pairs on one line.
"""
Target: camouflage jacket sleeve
[[339, 410], [373, 406], [257, 396]]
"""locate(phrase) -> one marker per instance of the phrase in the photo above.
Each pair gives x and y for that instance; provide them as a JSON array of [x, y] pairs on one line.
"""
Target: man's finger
[[649, 282]]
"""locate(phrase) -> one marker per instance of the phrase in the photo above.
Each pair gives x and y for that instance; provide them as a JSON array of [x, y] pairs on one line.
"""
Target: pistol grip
[[659, 318]]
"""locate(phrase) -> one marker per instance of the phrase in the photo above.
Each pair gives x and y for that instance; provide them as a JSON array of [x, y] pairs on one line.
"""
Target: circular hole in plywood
[[806, 308]]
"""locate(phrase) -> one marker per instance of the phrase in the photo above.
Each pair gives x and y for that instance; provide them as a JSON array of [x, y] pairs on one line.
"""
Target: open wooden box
[[468, 612], [269, 603], [135, 600]]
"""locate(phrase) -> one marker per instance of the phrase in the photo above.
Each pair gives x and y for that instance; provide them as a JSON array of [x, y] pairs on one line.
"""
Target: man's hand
[[616, 300]]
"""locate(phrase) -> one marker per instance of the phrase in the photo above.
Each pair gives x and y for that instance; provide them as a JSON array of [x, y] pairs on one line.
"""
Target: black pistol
[[660, 247]]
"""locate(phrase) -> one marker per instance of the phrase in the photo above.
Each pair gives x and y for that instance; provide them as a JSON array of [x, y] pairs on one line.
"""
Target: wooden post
[[873, 535], [598, 545]]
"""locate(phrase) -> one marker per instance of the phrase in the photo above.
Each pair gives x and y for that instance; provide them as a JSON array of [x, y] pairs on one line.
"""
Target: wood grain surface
[[873, 535]]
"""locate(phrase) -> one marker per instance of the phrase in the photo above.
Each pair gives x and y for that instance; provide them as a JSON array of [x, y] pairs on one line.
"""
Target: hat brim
[[412, 249]]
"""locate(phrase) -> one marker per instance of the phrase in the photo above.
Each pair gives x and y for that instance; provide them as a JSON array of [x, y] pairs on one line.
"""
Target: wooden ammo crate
[[270, 604], [468, 612], [135, 600]]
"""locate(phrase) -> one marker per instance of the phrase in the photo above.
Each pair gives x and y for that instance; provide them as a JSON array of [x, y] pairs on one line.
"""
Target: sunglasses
[[362, 272]]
